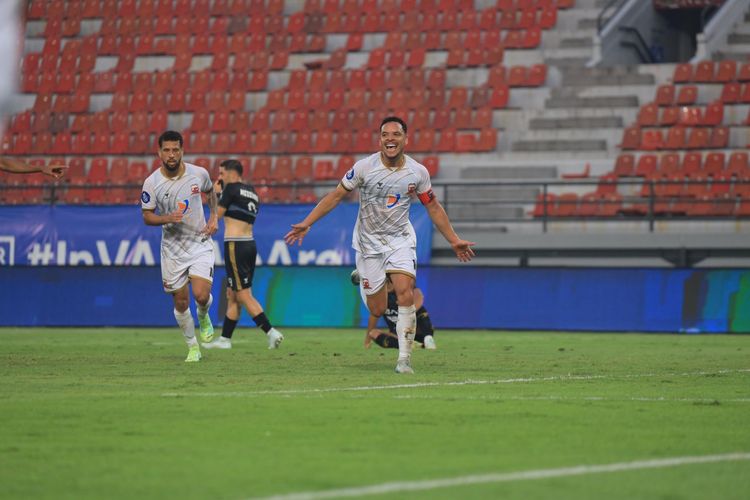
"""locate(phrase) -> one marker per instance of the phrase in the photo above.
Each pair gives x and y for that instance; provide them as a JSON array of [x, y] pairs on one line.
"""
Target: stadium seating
[[232, 90], [214, 99]]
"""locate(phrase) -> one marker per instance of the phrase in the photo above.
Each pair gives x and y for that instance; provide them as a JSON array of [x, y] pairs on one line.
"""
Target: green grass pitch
[[116, 413]]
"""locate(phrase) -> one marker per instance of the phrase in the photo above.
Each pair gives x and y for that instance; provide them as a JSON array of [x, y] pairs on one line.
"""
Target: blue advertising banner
[[638, 300], [117, 236]]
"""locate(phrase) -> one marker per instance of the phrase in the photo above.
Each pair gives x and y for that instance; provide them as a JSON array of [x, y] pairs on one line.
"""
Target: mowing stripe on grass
[[447, 384], [502, 477]]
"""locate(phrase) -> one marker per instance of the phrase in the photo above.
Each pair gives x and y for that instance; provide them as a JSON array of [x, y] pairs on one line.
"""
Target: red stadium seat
[[704, 72], [726, 71], [738, 164], [665, 95], [719, 138], [692, 163], [731, 93], [646, 165], [648, 115], [687, 95], [625, 165], [683, 73], [676, 138], [631, 138]]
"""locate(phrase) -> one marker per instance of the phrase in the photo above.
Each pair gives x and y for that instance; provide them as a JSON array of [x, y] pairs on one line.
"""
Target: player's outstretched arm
[[461, 248], [19, 167], [54, 171], [328, 203]]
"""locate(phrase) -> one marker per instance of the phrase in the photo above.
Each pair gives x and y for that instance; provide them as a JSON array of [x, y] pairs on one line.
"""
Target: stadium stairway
[[573, 123], [737, 47]]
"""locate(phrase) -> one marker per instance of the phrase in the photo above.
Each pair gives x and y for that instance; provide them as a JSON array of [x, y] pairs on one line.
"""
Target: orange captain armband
[[427, 197]]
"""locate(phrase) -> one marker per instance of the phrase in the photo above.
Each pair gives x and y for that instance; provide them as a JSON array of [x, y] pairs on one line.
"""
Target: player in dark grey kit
[[238, 206]]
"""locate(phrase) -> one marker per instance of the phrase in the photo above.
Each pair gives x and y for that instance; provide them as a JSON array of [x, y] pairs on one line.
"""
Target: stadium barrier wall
[[642, 300]]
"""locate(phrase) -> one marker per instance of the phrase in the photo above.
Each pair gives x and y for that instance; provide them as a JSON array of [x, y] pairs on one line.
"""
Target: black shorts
[[239, 260]]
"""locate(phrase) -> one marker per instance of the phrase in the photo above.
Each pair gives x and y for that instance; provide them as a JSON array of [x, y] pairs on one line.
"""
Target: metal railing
[[637, 43], [608, 12], [480, 201]]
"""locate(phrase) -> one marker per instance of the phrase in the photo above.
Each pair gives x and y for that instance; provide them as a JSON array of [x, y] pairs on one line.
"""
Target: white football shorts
[[176, 273], [372, 269]]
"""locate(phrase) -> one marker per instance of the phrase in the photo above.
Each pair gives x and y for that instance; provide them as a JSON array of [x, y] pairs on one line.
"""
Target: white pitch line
[[416, 385], [502, 477], [584, 398]]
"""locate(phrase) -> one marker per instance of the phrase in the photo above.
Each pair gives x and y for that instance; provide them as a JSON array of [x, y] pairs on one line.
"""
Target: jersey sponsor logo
[[195, 189], [145, 197], [393, 200], [350, 174], [183, 205]]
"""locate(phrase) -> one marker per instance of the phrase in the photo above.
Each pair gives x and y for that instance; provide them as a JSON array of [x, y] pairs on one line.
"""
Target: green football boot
[[194, 354], [207, 329]]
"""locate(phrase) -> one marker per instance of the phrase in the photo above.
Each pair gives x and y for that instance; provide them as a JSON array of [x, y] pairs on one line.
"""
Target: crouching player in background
[[425, 334], [238, 206]]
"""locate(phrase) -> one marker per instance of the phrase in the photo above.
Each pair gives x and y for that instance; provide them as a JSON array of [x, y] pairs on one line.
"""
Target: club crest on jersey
[[392, 200], [195, 189], [183, 205], [145, 197], [350, 174]]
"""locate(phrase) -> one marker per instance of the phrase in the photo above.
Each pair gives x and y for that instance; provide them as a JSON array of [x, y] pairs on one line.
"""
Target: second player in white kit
[[171, 198]]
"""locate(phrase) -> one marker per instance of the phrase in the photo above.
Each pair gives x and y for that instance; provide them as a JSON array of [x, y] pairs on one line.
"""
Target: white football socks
[[405, 330], [202, 311], [185, 320]]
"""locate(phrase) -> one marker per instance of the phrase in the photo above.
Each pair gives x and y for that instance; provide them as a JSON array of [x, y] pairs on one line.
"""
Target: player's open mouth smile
[[391, 147]]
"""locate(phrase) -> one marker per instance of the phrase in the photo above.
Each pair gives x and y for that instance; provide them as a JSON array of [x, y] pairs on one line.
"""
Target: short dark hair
[[169, 136], [232, 165], [396, 119]]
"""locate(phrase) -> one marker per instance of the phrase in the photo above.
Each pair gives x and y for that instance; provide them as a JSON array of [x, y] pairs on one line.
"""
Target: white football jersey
[[181, 240], [385, 196]]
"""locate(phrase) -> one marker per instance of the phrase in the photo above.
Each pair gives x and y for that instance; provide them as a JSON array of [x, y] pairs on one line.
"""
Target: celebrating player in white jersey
[[384, 238], [187, 252]]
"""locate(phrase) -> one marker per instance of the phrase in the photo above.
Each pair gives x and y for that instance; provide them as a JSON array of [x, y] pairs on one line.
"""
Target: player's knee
[[405, 298], [202, 297], [377, 310], [181, 305]]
